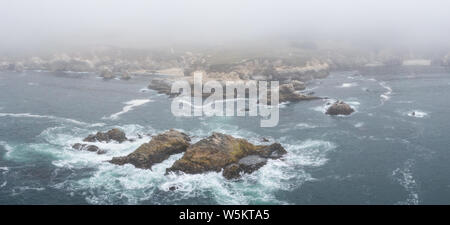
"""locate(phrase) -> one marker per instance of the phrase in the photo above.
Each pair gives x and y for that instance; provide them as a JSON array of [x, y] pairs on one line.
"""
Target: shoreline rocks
[[160, 148], [287, 92], [340, 108]]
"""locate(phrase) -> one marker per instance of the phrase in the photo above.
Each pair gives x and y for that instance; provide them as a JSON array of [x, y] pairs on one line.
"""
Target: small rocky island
[[340, 108], [111, 135], [224, 152], [216, 153]]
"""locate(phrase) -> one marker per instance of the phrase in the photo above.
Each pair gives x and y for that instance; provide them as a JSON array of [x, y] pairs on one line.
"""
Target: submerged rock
[[89, 148], [219, 151], [157, 150], [111, 135], [340, 108]]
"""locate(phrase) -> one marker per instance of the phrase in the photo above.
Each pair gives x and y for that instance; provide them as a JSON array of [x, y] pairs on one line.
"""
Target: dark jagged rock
[[273, 151], [89, 148], [111, 135], [340, 108], [161, 86], [219, 151], [173, 188], [157, 150], [248, 164], [287, 93]]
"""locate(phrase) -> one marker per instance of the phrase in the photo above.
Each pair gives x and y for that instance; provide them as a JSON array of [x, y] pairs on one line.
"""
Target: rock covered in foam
[[89, 148], [111, 135], [160, 148]]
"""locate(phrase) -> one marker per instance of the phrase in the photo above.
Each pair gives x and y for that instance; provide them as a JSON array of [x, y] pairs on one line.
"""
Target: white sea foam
[[387, 94], [405, 178], [130, 105], [97, 125], [347, 85], [29, 115], [144, 90], [416, 113], [359, 125], [8, 149], [305, 126]]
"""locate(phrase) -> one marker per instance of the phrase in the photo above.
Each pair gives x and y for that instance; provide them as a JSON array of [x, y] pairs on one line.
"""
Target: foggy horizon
[[53, 25]]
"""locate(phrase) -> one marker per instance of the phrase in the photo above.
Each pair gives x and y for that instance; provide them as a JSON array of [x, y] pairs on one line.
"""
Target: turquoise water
[[381, 154]]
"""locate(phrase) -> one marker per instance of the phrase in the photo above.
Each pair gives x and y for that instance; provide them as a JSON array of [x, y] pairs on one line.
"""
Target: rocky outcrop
[[298, 85], [106, 73], [287, 93], [340, 108], [157, 150], [219, 151], [125, 76], [111, 135], [89, 148], [162, 86]]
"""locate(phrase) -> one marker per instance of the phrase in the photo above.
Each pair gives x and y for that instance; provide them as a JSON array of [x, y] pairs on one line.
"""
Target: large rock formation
[[220, 151], [157, 150], [340, 108], [111, 135]]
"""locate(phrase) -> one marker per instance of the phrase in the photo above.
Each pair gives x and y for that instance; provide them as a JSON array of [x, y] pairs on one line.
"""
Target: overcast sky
[[45, 23]]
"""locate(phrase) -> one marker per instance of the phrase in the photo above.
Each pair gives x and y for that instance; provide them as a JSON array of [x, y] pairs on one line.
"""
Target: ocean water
[[381, 154]]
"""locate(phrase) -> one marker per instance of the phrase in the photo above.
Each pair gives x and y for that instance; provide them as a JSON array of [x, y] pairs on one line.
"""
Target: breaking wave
[[387, 94], [130, 105], [29, 115]]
